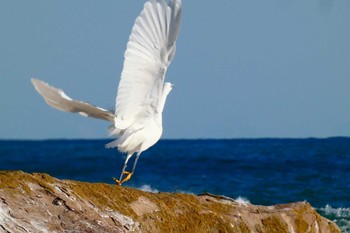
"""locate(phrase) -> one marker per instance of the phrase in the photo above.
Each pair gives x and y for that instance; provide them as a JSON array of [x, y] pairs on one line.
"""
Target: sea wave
[[341, 216], [242, 200], [148, 188]]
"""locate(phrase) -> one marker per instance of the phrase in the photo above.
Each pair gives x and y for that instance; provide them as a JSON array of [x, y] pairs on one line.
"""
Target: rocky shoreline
[[41, 203]]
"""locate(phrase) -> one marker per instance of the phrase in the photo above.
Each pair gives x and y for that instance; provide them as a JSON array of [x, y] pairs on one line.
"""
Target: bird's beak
[[172, 85]]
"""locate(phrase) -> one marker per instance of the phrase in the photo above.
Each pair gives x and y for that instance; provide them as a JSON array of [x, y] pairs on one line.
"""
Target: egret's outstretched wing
[[150, 49], [58, 99]]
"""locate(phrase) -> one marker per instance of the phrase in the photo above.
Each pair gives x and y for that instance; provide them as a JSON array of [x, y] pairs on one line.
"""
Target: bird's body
[[142, 92], [139, 136]]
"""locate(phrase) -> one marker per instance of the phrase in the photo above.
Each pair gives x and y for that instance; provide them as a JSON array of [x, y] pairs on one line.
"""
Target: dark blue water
[[264, 171]]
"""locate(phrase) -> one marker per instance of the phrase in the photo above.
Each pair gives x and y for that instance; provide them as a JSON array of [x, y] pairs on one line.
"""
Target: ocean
[[259, 171]]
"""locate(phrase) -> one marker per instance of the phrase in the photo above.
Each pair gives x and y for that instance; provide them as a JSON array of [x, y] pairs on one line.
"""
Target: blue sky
[[242, 69]]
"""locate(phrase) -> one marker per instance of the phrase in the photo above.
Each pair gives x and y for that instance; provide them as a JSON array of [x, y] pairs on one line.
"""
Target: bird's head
[[167, 88]]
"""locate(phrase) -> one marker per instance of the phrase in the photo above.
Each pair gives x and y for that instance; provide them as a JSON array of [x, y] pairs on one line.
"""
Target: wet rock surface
[[40, 203]]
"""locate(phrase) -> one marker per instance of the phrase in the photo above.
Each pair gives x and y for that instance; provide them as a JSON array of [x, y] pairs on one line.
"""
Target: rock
[[41, 203]]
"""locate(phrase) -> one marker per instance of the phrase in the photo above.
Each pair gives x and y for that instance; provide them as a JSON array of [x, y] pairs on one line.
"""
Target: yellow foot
[[128, 176], [117, 181]]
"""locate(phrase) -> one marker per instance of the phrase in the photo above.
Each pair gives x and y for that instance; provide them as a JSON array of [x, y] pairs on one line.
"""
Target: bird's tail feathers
[[126, 141], [112, 144]]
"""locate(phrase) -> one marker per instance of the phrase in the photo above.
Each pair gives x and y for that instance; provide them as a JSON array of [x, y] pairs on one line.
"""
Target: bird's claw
[[128, 176], [118, 182]]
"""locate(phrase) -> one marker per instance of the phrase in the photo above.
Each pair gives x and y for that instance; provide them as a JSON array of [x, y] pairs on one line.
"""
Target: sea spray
[[341, 216]]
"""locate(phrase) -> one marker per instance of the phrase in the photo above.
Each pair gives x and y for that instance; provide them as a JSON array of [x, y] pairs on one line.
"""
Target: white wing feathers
[[150, 50], [58, 99]]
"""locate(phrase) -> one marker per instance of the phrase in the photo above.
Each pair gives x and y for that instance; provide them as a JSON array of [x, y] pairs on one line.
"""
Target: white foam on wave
[[148, 188], [242, 200], [341, 216], [339, 212]]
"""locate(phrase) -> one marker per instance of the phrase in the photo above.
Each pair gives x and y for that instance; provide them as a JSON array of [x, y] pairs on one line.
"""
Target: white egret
[[142, 92]]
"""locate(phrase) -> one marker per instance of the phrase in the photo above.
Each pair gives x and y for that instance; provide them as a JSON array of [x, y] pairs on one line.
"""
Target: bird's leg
[[120, 181], [135, 162], [129, 174]]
